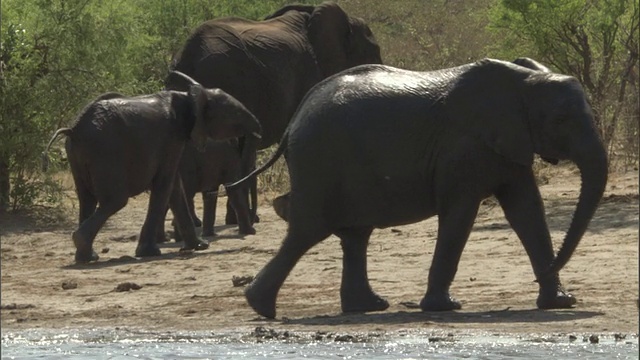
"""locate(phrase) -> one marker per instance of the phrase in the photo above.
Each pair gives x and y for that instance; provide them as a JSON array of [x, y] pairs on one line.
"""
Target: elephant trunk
[[591, 159], [252, 128], [250, 125]]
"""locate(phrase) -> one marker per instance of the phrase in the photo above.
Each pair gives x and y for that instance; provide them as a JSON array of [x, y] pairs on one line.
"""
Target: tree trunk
[[4, 186]]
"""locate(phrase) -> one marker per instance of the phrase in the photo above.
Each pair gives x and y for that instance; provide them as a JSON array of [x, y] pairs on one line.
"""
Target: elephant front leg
[[161, 236], [455, 220], [231, 218], [184, 224], [356, 294], [209, 203], [524, 209], [240, 203], [192, 209]]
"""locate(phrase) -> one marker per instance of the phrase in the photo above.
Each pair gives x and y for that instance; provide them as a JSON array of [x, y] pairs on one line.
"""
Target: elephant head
[[524, 109], [218, 115], [563, 128], [339, 41]]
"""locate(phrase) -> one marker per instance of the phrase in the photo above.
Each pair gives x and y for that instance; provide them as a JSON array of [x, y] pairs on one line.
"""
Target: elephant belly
[[385, 205]]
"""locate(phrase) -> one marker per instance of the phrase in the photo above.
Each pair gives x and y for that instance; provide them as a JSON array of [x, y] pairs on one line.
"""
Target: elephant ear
[[531, 64], [534, 65], [198, 97], [328, 31], [487, 101]]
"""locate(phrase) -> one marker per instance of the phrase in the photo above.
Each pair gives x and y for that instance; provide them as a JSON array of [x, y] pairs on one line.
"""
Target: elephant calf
[[220, 163], [406, 146], [121, 146]]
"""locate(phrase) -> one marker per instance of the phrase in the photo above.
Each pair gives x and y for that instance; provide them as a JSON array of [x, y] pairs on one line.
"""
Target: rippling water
[[130, 344]]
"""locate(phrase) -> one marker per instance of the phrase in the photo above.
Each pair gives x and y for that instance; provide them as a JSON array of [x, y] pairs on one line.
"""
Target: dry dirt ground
[[43, 288]]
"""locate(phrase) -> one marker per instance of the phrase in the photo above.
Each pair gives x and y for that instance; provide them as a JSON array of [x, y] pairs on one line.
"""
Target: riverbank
[[43, 288]]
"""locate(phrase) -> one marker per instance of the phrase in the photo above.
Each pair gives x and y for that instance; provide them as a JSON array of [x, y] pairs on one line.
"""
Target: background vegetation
[[56, 55]]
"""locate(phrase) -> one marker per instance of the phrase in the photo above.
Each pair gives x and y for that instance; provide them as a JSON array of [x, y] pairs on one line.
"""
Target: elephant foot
[[361, 304], [247, 230], [558, 299], [198, 245], [208, 232], [84, 251], [147, 250], [439, 302], [261, 303]]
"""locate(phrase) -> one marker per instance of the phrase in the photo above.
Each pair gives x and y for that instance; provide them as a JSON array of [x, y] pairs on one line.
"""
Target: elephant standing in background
[[121, 146], [269, 65], [406, 146]]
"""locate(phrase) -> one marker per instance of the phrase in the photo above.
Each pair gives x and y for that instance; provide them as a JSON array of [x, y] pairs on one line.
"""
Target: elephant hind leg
[[87, 203], [84, 236], [261, 294], [455, 221], [356, 294]]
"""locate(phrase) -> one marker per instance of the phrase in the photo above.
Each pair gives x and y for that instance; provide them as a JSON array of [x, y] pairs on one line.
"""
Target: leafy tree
[[426, 35], [56, 55], [596, 41]]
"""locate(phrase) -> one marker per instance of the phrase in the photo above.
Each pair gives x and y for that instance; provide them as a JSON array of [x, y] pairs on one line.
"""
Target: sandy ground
[[43, 288]]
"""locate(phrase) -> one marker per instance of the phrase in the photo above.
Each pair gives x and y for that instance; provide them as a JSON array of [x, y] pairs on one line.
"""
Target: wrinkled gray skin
[[121, 146], [406, 146], [269, 65], [220, 163]]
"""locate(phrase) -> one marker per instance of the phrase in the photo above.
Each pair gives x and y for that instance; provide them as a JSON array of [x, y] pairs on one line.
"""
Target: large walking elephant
[[406, 146], [121, 146], [269, 65]]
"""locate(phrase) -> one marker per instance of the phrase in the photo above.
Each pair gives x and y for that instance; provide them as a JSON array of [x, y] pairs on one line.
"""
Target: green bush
[[57, 55]]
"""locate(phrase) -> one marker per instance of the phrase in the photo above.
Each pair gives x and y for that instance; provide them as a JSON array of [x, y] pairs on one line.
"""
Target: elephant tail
[[44, 157], [281, 149]]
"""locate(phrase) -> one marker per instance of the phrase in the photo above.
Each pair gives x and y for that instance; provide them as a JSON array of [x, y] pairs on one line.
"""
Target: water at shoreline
[[265, 343]]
